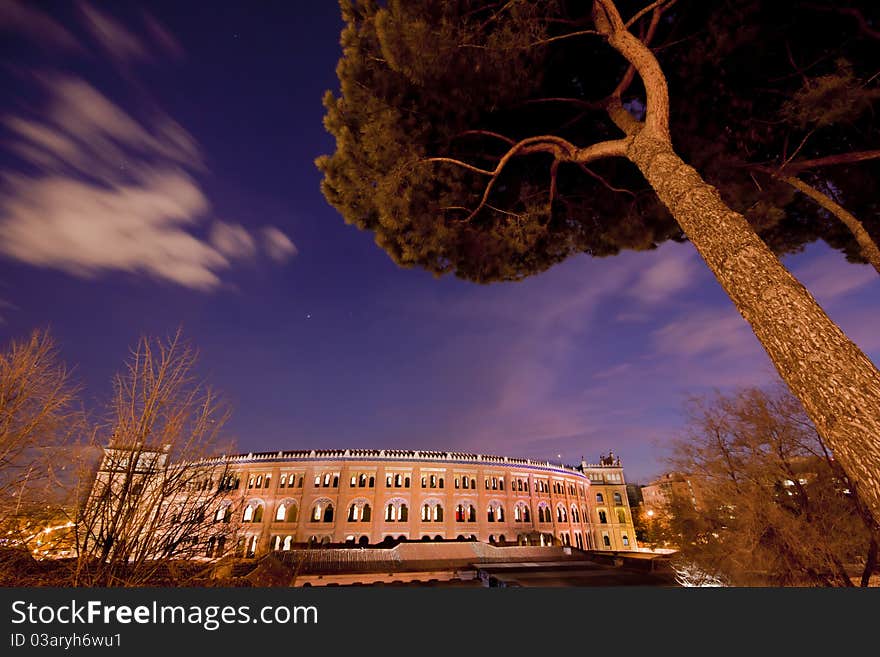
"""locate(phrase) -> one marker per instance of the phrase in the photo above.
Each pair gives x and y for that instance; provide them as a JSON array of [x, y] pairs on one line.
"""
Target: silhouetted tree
[[159, 494], [38, 422], [775, 506], [452, 150]]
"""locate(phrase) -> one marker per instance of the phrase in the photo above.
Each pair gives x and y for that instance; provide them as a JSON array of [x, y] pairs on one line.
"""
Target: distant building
[[659, 494], [286, 499]]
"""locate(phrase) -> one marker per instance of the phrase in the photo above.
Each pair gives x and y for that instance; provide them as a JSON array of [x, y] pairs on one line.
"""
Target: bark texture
[[837, 384]]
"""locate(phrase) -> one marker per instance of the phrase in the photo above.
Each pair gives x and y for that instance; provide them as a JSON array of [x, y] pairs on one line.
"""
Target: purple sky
[[157, 171]]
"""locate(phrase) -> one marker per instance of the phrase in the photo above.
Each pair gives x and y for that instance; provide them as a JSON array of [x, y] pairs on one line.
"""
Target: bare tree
[[38, 419], [157, 505], [776, 507]]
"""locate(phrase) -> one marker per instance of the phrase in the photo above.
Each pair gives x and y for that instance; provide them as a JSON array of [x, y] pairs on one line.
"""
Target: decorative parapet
[[392, 454]]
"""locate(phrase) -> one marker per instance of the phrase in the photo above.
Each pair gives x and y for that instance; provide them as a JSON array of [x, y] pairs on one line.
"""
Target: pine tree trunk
[[837, 384]]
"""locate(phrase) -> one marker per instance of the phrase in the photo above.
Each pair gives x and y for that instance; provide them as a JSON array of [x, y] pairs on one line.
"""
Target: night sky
[[158, 171]]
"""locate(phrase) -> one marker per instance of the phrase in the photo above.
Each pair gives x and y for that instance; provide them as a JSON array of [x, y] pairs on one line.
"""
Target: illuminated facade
[[366, 497]]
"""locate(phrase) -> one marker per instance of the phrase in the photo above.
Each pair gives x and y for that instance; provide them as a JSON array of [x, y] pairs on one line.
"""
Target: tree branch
[[828, 160]]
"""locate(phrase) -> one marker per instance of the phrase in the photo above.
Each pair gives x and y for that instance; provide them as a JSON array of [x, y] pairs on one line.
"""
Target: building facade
[[367, 497]]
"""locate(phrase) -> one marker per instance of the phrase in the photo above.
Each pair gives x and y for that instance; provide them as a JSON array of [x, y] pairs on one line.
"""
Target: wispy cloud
[[98, 189], [23, 18], [672, 273], [121, 44], [829, 276]]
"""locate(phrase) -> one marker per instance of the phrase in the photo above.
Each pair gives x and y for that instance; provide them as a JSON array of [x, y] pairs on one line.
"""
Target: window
[[397, 481], [617, 498], [388, 481], [281, 513], [625, 539], [253, 512], [251, 481], [602, 518], [440, 482], [352, 513], [600, 499], [424, 482], [328, 513], [353, 482], [438, 513], [605, 540], [366, 513], [457, 482], [362, 481], [268, 481], [466, 483], [621, 516], [283, 481]]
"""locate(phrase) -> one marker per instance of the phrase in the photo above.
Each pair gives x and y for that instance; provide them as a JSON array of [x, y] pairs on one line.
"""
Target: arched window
[[352, 513], [473, 483], [440, 482], [438, 513], [574, 513], [621, 516], [366, 513], [500, 512], [388, 481], [353, 481], [472, 514], [390, 513], [561, 515], [501, 483], [404, 513], [459, 513], [457, 482], [362, 481], [253, 512], [466, 483], [335, 481], [433, 481], [287, 541], [328, 513], [426, 513], [618, 499], [327, 478], [283, 481], [424, 481], [372, 483], [490, 516], [276, 543], [625, 539], [281, 512], [292, 512], [517, 513], [317, 480], [398, 481], [602, 517], [406, 482], [600, 499]]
